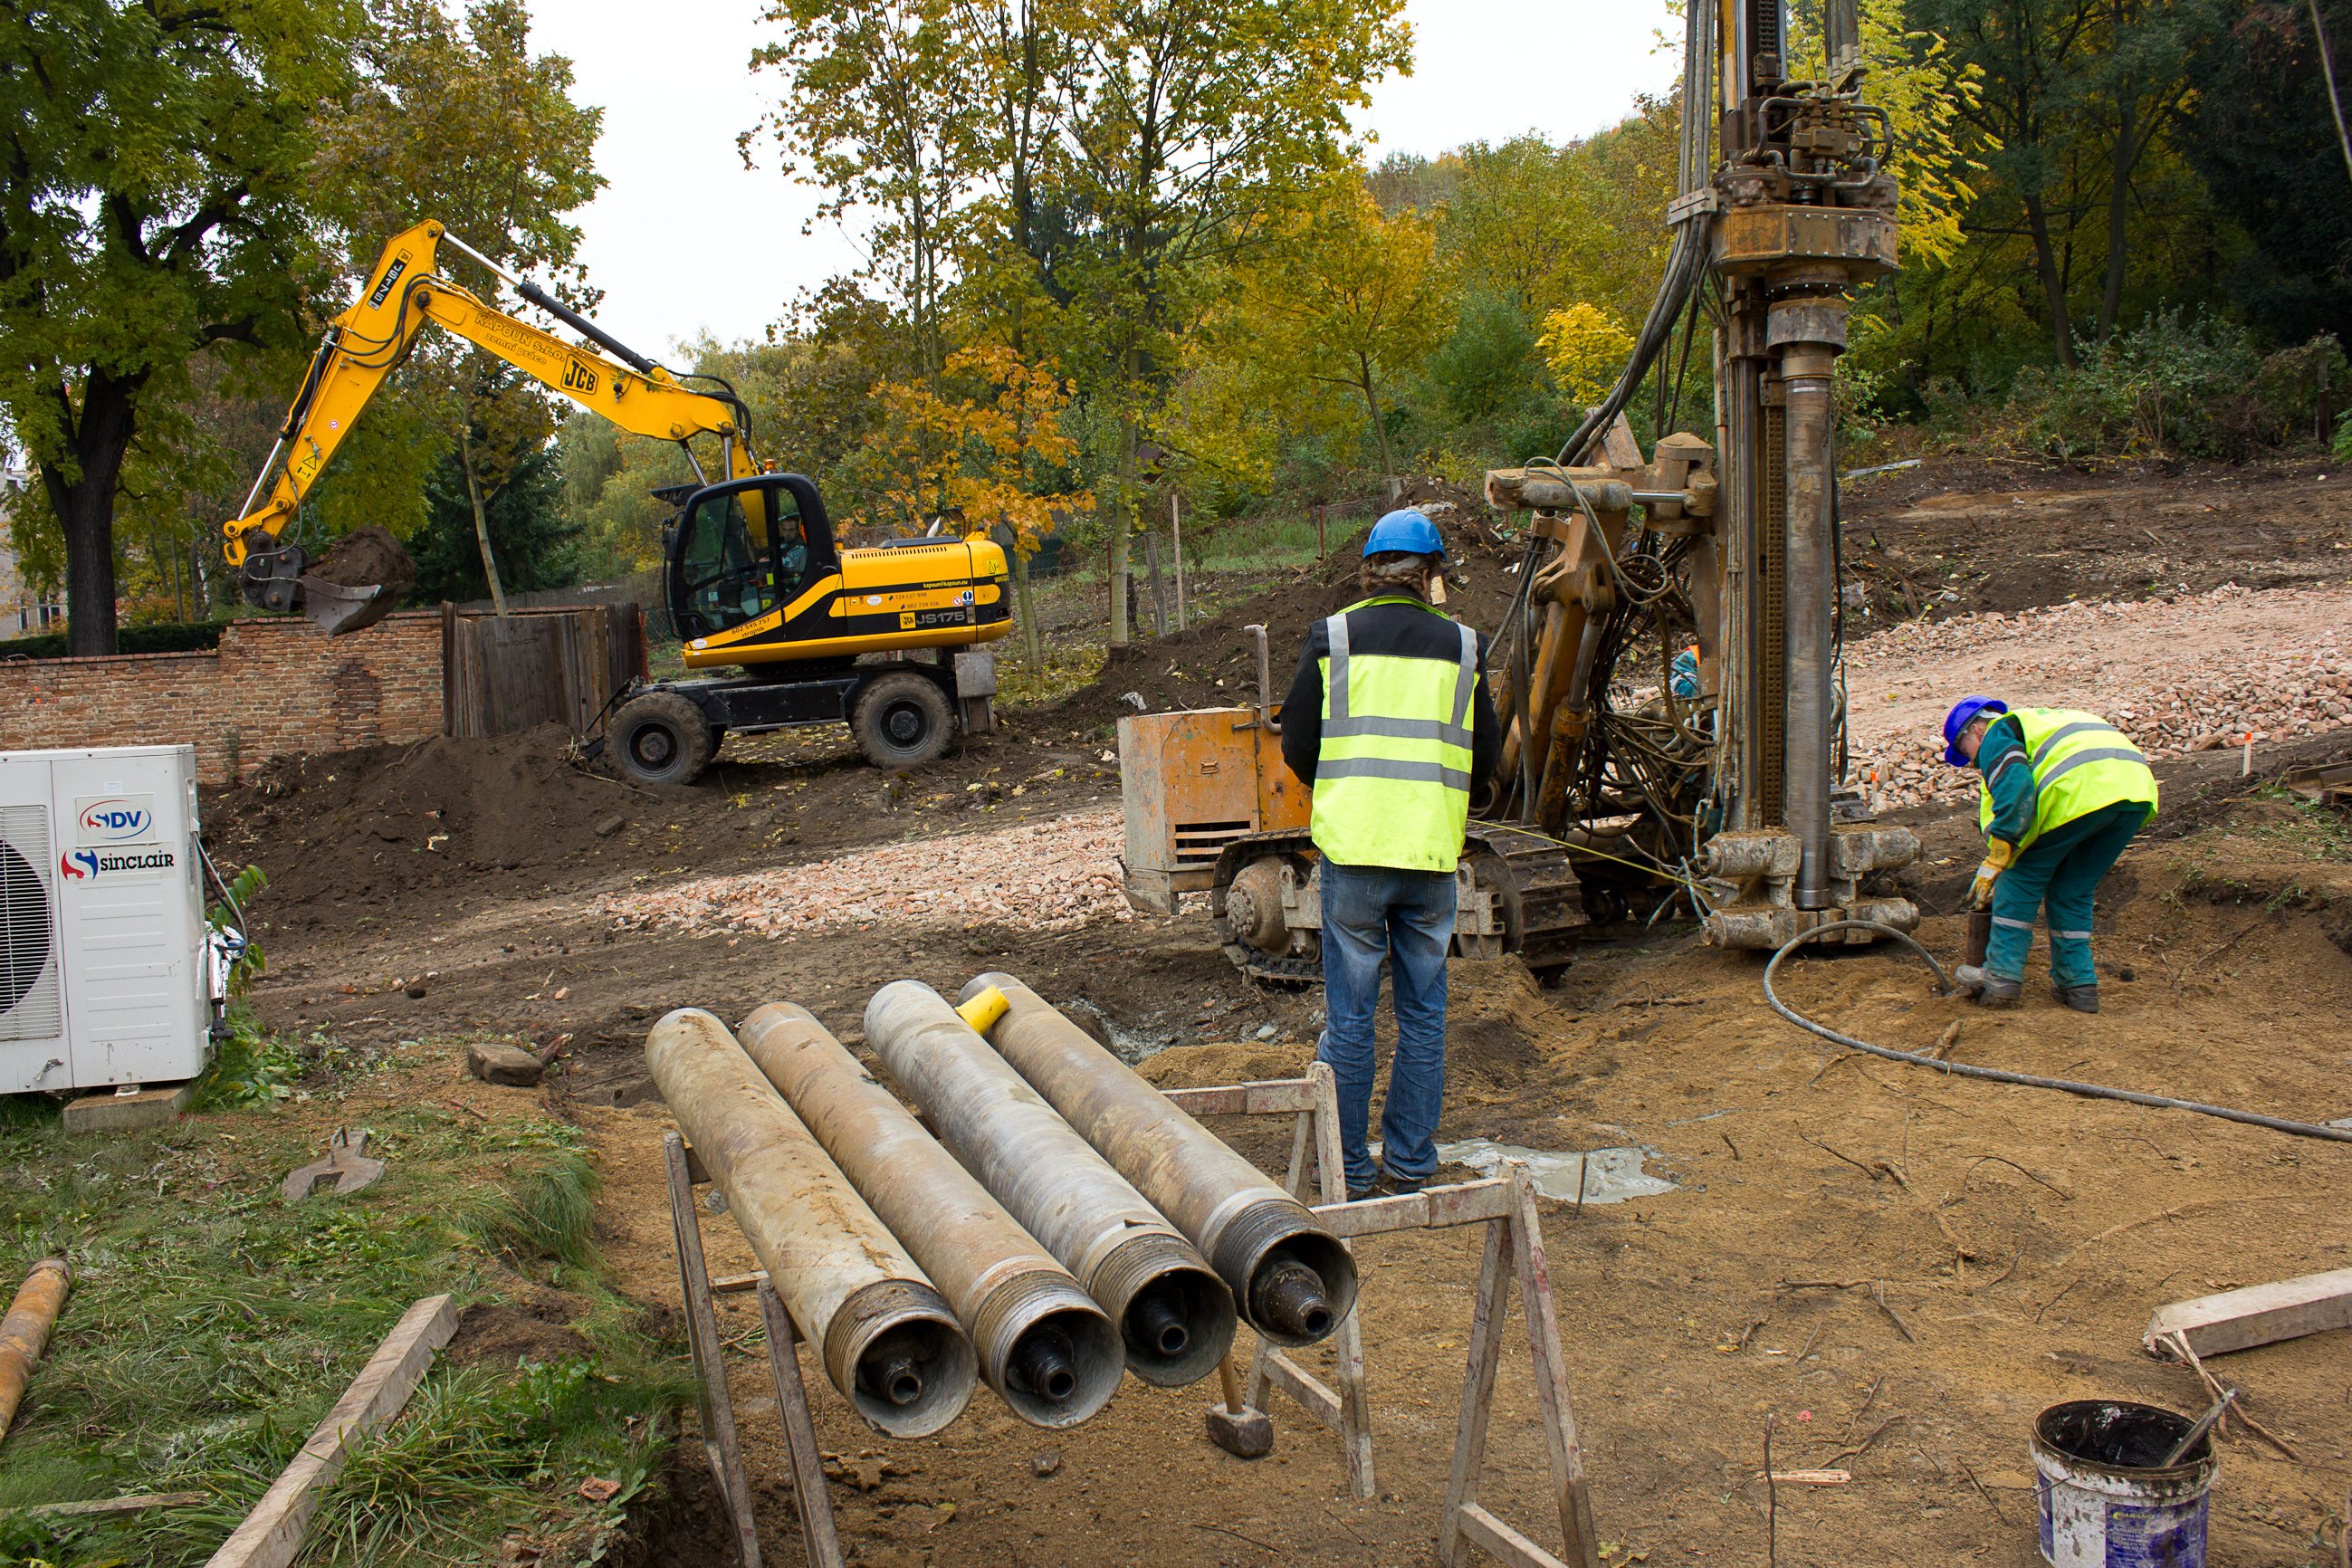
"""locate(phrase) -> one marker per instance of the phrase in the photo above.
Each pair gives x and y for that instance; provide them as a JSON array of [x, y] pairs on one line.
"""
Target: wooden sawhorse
[[1505, 1206]]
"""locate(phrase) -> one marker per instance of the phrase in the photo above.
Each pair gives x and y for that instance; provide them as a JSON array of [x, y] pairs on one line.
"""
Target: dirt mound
[[1214, 664], [492, 1334], [367, 556], [391, 819]]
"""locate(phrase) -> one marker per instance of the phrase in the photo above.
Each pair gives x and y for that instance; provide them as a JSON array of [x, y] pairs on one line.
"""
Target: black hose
[[1999, 1075]]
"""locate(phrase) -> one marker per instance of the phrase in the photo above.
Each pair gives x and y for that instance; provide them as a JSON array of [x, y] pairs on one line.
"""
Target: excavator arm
[[404, 292]]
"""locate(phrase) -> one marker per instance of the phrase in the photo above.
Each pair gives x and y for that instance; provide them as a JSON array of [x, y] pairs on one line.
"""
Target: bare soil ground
[[1899, 1269]]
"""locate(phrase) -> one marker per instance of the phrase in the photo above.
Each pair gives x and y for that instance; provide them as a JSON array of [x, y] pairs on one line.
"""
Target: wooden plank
[[1301, 1385], [2256, 1315], [1503, 1543], [448, 662], [819, 1541], [1552, 1398], [1433, 1208], [1272, 1096], [136, 1502], [1347, 1339], [737, 1284], [716, 1406], [1480, 1369], [271, 1535]]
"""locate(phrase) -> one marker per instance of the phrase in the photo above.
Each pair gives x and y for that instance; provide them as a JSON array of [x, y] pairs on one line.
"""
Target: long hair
[[1396, 572]]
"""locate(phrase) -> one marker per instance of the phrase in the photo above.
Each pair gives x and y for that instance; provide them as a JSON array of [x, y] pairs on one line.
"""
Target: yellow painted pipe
[[25, 1331]]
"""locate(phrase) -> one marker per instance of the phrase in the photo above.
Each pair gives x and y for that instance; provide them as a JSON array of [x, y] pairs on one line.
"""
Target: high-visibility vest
[[1392, 775], [2080, 762]]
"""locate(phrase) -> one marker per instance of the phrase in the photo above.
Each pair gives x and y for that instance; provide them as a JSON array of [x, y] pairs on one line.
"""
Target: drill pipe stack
[[1175, 1314], [1291, 1278], [1043, 1345], [889, 1341]]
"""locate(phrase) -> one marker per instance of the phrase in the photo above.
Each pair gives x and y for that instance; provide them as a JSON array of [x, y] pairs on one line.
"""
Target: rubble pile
[[1039, 876], [2193, 673]]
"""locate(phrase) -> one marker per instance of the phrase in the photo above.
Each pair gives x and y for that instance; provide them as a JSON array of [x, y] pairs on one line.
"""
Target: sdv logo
[[115, 821]]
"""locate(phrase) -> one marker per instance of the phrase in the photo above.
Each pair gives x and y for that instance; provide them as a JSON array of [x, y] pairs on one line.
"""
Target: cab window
[[743, 553]]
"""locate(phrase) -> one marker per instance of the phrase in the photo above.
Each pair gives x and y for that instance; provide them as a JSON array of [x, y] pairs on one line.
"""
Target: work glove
[[1999, 853]]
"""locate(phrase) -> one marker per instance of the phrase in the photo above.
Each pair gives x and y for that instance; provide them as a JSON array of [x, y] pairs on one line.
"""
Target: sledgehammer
[[1244, 1433]]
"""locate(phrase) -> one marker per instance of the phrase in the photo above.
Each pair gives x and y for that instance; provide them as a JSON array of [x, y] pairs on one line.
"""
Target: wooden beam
[[2257, 1315], [136, 1502], [1485, 1530], [271, 1535]]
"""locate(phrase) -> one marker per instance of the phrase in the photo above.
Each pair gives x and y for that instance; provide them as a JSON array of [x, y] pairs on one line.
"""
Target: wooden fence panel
[[536, 667]]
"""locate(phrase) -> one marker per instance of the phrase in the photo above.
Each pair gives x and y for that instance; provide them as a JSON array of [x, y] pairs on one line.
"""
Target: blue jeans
[[2059, 870], [1371, 912]]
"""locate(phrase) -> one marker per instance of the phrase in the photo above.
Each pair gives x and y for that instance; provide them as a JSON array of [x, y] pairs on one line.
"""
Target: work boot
[[2081, 998], [1370, 1190], [1987, 989], [1396, 1187]]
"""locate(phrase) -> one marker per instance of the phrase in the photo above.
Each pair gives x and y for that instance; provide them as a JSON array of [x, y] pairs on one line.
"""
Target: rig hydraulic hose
[[1998, 1075]]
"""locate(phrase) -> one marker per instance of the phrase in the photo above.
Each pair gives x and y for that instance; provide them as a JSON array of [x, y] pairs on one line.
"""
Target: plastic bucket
[[2107, 1498]]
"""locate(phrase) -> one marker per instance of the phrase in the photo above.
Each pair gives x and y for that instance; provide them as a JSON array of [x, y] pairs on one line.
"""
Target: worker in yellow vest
[[1388, 721], [2063, 792]]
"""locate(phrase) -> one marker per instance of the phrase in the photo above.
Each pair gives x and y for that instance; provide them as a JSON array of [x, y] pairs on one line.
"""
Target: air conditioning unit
[[109, 974]]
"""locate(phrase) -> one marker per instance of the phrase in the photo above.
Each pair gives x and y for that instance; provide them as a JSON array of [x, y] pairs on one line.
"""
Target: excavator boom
[[404, 292]]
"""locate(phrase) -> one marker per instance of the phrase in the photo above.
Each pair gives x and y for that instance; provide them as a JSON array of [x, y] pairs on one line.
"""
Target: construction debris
[[502, 1062], [1040, 876], [2256, 1315], [2173, 674], [25, 1331], [344, 1170]]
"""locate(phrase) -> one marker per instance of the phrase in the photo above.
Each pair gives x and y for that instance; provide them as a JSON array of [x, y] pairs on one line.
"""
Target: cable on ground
[[2001, 1075]]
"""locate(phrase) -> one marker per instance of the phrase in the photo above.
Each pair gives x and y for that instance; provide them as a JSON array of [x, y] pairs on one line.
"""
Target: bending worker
[[1389, 719], [2063, 793]]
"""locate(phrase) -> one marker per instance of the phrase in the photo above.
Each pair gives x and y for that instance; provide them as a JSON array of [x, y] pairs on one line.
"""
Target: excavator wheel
[[660, 738], [901, 720]]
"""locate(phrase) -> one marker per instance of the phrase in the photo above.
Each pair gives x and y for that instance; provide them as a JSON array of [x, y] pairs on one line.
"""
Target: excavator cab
[[742, 550]]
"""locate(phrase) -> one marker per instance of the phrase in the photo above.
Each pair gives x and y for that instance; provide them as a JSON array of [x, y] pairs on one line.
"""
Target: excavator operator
[[1388, 721]]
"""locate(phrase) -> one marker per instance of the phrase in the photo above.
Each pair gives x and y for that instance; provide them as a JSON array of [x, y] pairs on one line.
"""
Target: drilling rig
[[1628, 785]]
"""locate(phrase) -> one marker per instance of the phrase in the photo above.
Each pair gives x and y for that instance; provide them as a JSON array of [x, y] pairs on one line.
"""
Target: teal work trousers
[[2058, 872]]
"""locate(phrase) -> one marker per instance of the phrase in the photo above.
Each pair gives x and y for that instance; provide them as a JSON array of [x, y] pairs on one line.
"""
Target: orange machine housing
[[1191, 783]]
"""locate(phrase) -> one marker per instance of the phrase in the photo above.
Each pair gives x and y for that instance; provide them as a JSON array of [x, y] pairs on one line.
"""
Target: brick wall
[[275, 686]]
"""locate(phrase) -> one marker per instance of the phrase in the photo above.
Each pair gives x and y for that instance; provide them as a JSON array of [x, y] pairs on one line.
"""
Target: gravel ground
[[2192, 673], [2189, 674], [1038, 876]]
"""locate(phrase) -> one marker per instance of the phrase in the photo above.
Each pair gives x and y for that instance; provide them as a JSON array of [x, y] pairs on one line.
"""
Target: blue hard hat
[[1408, 532], [1958, 719]]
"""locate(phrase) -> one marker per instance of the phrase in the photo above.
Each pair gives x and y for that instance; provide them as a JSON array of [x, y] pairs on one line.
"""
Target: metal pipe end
[[1175, 1316], [1049, 1352], [1298, 1282], [898, 1354]]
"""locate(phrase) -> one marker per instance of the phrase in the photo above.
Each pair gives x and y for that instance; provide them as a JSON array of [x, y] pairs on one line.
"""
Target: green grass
[[2316, 833], [212, 1325]]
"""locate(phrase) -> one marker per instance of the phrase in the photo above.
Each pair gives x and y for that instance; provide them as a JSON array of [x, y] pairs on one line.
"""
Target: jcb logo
[[579, 378]]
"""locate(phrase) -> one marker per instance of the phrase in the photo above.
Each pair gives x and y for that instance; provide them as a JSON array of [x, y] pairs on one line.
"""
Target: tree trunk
[[2054, 286], [481, 522], [1380, 426], [1032, 646], [97, 436], [1122, 524], [2119, 171]]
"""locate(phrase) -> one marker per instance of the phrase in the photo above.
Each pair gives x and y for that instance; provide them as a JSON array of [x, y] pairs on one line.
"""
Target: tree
[[879, 101], [155, 197], [1191, 121], [467, 126], [533, 542], [1342, 295], [978, 454]]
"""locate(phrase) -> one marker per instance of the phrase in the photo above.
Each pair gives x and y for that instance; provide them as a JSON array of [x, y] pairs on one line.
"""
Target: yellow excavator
[[751, 574]]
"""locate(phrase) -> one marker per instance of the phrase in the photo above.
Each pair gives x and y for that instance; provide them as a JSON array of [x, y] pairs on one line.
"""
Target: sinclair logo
[[92, 865]]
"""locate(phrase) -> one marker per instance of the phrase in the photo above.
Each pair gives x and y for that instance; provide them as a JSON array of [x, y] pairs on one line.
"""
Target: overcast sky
[[684, 240]]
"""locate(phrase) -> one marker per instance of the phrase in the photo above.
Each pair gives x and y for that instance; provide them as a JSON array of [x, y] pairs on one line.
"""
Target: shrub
[[2196, 388]]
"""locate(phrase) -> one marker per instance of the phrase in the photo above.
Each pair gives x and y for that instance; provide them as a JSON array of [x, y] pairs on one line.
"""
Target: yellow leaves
[[1586, 349], [968, 456]]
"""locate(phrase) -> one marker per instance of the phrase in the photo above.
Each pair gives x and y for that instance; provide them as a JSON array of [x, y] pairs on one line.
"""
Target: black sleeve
[[1486, 728], [1302, 710]]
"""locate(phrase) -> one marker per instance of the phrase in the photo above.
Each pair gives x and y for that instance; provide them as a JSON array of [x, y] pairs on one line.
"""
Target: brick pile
[[1040, 876], [274, 688]]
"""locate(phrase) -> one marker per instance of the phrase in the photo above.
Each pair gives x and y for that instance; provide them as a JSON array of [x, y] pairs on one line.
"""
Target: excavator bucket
[[356, 583], [335, 609]]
